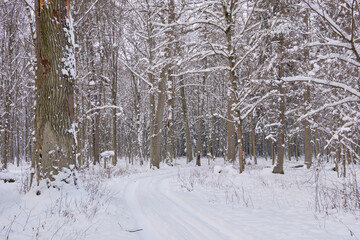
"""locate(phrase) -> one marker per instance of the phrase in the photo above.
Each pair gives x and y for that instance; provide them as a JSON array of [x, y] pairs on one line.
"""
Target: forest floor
[[184, 202]]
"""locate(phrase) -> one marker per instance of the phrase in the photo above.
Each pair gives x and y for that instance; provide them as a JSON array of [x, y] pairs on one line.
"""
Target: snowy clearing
[[180, 202]]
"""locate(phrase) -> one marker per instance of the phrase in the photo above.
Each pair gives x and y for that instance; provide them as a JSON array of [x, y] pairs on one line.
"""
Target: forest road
[[161, 214]]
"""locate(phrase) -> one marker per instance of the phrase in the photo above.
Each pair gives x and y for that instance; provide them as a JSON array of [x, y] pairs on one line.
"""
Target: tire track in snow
[[163, 215]]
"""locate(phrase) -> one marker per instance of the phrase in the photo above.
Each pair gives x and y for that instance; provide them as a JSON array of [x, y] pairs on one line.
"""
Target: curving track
[[164, 215]]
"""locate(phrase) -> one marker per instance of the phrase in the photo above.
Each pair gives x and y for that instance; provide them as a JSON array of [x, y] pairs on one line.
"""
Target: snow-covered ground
[[183, 202]]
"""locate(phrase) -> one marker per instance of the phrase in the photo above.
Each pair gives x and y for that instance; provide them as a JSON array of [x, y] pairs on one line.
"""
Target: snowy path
[[162, 214]]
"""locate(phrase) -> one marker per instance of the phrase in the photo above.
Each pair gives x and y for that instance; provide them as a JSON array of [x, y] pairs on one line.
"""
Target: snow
[[107, 154], [217, 169], [336, 28], [325, 82], [181, 202]]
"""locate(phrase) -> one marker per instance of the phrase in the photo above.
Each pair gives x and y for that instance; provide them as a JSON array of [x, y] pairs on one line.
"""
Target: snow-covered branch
[[323, 82]]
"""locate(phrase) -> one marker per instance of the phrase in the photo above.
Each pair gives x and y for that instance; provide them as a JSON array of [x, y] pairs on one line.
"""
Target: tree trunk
[[54, 117], [344, 161], [6, 146], [199, 142], [316, 145], [279, 168], [231, 144], [289, 147], [272, 151], [96, 131], [26, 145], [213, 134], [230, 132], [114, 103], [201, 102], [18, 142], [266, 151], [137, 100], [296, 147], [83, 137], [189, 156], [6, 125], [170, 146], [307, 132], [170, 52], [253, 140], [157, 123], [307, 97], [241, 146]]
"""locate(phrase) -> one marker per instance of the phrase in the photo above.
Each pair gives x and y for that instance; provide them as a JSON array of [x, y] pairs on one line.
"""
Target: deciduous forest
[[184, 93]]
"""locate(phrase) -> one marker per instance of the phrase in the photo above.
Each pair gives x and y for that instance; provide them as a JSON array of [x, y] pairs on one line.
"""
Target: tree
[[55, 131], [334, 39]]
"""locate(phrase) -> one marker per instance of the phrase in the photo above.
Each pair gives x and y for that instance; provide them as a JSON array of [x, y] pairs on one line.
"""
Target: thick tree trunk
[[54, 116], [6, 116], [157, 123]]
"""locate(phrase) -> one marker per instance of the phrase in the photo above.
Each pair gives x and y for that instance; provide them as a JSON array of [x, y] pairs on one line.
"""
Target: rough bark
[[157, 123], [54, 116]]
